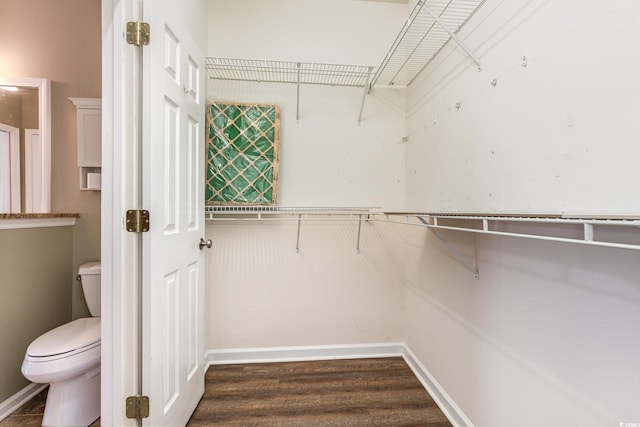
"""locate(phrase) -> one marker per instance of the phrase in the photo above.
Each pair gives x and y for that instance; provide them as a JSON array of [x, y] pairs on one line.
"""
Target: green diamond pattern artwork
[[243, 143]]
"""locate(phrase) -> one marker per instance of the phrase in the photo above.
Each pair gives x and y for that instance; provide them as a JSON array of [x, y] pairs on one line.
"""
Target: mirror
[[25, 145]]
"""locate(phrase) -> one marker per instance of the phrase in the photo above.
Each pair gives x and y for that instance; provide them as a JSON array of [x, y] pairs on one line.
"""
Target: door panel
[[194, 314], [173, 264]]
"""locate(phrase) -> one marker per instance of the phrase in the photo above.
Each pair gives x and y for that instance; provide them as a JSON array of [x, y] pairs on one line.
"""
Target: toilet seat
[[64, 352], [65, 341]]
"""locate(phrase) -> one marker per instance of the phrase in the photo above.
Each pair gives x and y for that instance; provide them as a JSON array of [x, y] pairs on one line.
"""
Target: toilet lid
[[66, 338]]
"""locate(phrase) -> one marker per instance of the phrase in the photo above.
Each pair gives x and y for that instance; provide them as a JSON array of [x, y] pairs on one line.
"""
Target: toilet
[[68, 359]]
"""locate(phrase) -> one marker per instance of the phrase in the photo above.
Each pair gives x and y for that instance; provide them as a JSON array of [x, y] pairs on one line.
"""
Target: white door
[[173, 120]]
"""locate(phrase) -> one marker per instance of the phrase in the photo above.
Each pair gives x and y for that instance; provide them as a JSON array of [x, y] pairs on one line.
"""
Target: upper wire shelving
[[298, 73], [431, 24]]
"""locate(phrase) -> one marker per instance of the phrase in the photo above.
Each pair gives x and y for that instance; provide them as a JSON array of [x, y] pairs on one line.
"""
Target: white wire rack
[[588, 231], [622, 233], [298, 73], [298, 214], [431, 24], [222, 212], [287, 72]]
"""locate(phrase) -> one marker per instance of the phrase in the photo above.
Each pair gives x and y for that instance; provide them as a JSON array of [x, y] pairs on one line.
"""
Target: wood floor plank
[[337, 393], [356, 392]]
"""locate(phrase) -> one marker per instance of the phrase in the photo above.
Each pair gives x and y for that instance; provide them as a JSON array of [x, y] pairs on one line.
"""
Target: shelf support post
[[298, 92], [467, 264], [359, 232], [463, 260], [298, 236], [454, 37], [588, 232], [364, 95]]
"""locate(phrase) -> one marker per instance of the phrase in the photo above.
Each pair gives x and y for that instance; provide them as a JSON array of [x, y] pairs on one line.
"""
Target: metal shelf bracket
[[469, 265], [454, 37]]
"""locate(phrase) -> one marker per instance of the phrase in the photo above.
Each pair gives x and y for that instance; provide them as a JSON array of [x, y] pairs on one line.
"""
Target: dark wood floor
[[338, 393], [359, 392]]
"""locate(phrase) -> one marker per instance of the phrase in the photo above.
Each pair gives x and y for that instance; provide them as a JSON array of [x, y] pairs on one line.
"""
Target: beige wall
[[35, 295], [59, 41]]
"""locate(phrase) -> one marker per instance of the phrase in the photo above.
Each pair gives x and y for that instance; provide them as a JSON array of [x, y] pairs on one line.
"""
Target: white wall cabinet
[[89, 135]]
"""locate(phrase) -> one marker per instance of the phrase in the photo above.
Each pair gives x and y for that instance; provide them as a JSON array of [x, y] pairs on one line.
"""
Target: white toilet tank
[[90, 277]]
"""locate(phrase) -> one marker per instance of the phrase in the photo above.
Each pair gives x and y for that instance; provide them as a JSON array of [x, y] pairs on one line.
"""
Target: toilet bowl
[[68, 359]]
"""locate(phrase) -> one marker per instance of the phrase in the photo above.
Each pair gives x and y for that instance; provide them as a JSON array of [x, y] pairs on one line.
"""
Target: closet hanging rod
[[298, 214], [485, 225], [222, 212], [544, 218], [375, 212], [479, 224]]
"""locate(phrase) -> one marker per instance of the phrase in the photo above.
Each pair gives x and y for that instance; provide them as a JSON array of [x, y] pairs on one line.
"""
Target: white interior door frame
[[120, 192]]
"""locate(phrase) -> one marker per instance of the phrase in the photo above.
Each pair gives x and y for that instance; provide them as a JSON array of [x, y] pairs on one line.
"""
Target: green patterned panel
[[242, 154]]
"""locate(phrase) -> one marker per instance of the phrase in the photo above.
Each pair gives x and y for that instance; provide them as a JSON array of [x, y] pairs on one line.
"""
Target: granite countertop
[[38, 215]]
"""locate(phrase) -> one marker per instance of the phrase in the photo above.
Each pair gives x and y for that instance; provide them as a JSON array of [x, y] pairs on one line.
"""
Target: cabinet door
[[89, 137]]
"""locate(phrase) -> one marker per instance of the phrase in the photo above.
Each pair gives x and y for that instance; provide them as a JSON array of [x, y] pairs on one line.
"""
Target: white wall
[[556, 136], [549, 335], [326, 31], [261, 293], [327, 159]]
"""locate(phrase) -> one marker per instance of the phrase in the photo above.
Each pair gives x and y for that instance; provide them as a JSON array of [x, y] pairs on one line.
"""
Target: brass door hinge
[[137, 220], [138, 33], [137, 407]]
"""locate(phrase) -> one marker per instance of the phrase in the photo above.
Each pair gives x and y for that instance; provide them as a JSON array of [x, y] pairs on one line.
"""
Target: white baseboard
[[333, 352], [10, 405], [442, 398], [293, 354]]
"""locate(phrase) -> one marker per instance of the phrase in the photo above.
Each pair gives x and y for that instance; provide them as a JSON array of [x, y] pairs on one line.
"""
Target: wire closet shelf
[[431, 24], [588, 231], [298, 214], [230, 212], [256, 70], [298, 73]]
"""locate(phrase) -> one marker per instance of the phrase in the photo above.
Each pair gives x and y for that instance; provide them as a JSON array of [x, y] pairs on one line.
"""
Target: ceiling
[[389, 1]]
